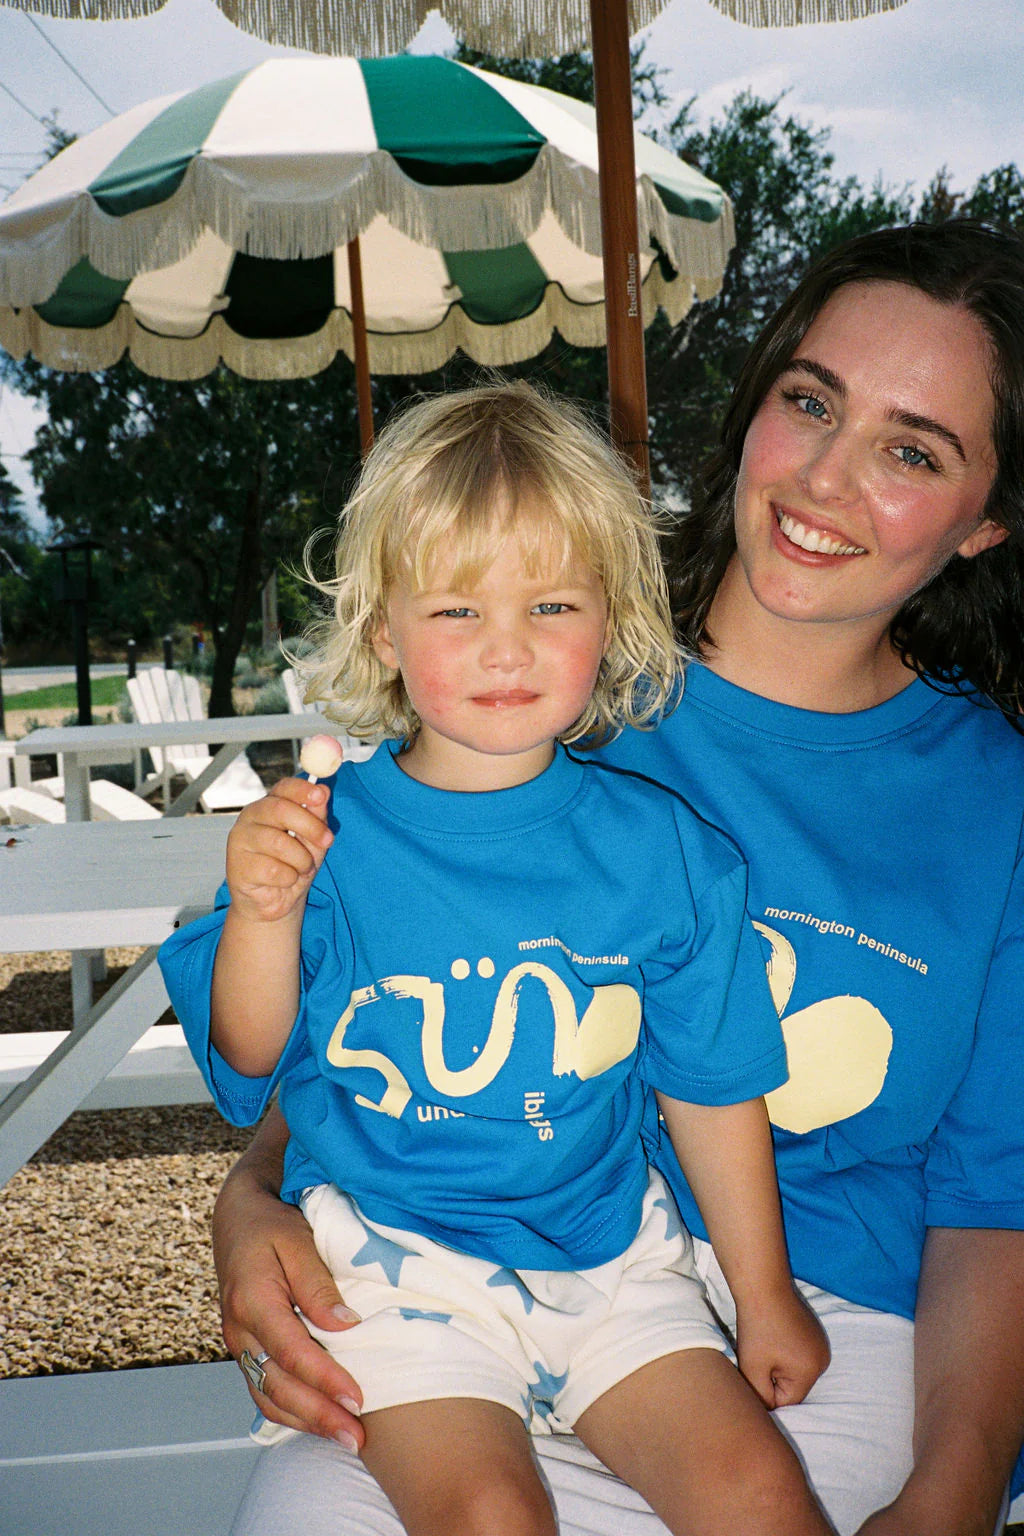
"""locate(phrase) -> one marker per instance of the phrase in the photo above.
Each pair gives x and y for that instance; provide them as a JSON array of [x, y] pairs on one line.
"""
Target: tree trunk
[[244, 597]]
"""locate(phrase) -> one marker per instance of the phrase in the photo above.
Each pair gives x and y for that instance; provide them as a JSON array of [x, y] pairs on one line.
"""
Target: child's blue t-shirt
[[491, 985]]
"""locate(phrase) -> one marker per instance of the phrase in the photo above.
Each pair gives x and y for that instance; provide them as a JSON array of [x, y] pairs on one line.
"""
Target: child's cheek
[[430, 686]]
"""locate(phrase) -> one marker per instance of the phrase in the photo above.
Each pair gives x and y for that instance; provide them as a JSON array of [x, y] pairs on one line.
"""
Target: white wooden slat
[[158, 1069], [157, 1452]]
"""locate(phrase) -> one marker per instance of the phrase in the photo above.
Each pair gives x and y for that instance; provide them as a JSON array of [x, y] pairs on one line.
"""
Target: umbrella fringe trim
[[531, 28], [192, 358], [528, 28], [795, 13], [451, 218]]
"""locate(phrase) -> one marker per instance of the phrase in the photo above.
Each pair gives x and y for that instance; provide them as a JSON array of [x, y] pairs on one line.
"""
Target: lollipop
[[321, 756]]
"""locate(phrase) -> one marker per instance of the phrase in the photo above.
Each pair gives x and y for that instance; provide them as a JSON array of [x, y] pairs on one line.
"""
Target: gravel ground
[[105, 1254]]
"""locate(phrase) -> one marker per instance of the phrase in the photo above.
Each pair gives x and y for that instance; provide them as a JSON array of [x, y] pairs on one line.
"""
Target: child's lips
[[504, 698]]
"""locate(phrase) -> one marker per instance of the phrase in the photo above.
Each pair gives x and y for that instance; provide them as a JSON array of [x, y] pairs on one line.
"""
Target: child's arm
[[274, 850], [727, 1156]]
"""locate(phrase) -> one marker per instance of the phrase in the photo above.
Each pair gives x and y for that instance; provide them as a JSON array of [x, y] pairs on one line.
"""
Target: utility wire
[[17, 100], [47, 39]]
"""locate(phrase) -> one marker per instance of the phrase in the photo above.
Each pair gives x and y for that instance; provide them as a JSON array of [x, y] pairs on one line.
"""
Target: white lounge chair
[[355, 751], [108, 801], [157, 695], [29, 806]]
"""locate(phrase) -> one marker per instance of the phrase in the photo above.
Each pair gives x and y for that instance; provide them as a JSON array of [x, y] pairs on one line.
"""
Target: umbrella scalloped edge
[[34, 259], [24, 333]]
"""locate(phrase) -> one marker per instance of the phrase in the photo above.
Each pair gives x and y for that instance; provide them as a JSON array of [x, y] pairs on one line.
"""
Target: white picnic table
[[82, 747], [87, 886]]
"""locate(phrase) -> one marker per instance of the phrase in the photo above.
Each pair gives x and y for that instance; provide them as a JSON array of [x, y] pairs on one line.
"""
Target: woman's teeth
[[812, 540]]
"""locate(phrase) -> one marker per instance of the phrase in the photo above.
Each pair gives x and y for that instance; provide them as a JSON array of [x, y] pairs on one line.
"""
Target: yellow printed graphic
[[838, 1050], [606, 1035]]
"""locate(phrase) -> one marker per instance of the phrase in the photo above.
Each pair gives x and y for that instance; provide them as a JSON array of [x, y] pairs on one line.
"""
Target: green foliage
[[196, 491]]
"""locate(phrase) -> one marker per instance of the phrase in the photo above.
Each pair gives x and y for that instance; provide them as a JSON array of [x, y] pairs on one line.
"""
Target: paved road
[[22, 679]]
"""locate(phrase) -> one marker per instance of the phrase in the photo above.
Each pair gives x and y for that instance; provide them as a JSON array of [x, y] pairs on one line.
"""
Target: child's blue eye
[[455, 613], [551, 608]]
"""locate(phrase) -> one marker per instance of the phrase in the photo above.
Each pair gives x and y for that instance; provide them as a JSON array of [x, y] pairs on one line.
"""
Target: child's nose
[[506, 646]]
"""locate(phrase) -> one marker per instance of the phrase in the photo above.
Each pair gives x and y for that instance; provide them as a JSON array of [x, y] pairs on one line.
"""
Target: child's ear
[[383, 647]]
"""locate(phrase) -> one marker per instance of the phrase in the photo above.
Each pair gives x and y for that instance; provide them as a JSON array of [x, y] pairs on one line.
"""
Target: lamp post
[[75, 587]]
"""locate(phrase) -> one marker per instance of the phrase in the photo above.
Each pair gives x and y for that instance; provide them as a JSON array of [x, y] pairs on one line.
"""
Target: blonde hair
[[470, 467]]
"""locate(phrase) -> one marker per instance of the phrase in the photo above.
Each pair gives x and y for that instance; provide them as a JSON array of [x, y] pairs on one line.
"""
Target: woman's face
[[869, 463]]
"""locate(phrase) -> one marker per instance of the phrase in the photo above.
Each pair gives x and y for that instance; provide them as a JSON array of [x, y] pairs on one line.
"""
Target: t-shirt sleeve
[[187, 960], [975, 1164], [711, 1032]]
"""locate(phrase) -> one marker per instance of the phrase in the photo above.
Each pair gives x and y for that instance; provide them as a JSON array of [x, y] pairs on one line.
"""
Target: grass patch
[[105, 690]]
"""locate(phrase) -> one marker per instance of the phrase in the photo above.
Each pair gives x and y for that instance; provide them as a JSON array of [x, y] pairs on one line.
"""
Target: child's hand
[[782, 1348], [275, 849]]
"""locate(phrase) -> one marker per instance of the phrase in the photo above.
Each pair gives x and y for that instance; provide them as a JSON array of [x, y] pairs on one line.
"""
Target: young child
[[470, 998]]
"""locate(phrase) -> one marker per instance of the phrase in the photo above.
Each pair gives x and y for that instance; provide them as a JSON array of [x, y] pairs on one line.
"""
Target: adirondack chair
[[107, 801], [157, 695], [355, 751]]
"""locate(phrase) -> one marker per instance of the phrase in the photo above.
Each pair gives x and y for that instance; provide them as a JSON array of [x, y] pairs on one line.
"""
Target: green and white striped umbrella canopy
[[214, 224]]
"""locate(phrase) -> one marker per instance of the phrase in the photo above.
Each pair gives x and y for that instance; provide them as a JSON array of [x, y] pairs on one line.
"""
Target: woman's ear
[[986, 536], [382, 645]]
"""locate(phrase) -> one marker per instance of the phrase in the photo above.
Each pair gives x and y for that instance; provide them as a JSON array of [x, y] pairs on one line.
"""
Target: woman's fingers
[[286, 1398]]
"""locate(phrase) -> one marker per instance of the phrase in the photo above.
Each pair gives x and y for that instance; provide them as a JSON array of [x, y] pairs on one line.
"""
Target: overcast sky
[[937, 82]]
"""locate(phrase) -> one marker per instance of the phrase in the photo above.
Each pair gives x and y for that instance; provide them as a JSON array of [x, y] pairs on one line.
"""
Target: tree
[[195, 491]]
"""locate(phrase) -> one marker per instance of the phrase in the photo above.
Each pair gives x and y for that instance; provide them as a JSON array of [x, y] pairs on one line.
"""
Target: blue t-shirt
[[885, 871], [491, 985]]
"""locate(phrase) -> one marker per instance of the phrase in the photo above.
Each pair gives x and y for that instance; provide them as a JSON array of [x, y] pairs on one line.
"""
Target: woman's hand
[[781, 1347], [275, 849], [267, 1265]]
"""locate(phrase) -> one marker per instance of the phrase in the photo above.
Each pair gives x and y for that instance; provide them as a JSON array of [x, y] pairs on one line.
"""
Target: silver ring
[[253, 1368]]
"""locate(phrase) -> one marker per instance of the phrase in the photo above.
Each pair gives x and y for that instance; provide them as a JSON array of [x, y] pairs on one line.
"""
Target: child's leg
[[691, 1436], [457, 1467]]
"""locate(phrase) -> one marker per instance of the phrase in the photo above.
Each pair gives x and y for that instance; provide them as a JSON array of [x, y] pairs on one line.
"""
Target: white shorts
[[544, 1343], [853, 1436]]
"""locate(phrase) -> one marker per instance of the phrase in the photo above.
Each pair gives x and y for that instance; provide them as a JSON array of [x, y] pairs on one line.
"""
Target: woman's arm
[[969, 1385], [267, 1265]]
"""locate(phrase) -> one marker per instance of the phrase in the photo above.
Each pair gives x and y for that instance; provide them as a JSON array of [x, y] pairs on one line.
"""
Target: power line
[[49, 40], [18, 102]]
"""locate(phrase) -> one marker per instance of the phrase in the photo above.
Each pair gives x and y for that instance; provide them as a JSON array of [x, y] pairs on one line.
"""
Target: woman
[[854, 584]]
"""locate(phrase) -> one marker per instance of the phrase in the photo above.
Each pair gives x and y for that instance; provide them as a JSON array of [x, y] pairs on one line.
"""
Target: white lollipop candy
[[320, 757]]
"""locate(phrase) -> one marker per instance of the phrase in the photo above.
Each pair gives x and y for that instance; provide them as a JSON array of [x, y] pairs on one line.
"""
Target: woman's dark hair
[[965, 630]]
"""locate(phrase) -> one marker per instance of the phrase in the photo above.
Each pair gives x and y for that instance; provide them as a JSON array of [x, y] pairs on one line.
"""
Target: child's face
[[497, 672]]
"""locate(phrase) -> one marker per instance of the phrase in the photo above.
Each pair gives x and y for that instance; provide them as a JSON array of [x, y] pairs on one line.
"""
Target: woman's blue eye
[[807, 405], [915, 458]]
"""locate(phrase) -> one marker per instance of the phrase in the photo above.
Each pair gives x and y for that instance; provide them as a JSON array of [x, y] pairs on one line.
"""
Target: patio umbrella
[[526, 28], [218, 224]]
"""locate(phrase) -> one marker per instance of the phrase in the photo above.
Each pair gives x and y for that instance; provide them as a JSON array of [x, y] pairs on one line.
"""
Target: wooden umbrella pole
[[620, 242], [361, 356]]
